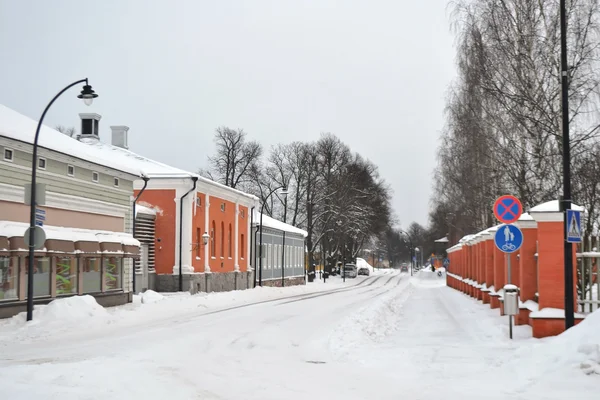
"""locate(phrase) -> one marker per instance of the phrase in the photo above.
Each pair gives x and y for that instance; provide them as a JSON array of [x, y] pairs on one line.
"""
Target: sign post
[[508, 238]]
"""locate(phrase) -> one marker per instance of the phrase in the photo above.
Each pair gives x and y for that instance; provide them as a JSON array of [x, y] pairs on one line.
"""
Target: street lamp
[[417, 250], [566, 148], [284, 193], [87, 95]]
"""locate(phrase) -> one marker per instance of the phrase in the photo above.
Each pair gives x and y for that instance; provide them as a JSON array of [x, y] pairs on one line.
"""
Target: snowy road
[[388, 336]]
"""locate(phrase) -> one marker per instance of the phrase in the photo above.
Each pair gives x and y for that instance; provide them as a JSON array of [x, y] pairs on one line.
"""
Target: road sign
[[508, 238], [40, 217], [39, 238], [573, 226], [40, 194], [507, 209], [446, 262]]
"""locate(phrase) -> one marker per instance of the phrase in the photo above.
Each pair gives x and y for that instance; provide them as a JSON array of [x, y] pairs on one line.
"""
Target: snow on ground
[[386, 336]]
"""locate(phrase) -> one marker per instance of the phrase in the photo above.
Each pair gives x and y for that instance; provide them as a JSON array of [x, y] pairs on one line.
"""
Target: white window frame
[[12, 154], [69, 166], [269, 256], [45, 163], [116, 182], [97, 175]]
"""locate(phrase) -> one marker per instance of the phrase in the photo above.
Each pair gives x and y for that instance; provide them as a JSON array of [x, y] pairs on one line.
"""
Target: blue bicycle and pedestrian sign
[[508, 238]]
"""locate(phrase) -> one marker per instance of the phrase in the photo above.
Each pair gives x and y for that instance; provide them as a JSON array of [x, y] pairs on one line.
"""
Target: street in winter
[[317, 199], [386, 336]]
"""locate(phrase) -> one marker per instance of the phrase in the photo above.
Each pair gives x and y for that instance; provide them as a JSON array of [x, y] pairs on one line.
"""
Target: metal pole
[[32, 201], [283, 246], [509, 276], [566, 203]]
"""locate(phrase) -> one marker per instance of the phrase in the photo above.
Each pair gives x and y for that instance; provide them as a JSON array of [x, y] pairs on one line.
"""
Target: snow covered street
[[386, 336]]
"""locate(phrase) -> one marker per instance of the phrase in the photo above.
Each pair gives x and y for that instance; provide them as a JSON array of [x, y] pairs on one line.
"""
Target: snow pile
[[576, 349], [150, 296], [58, 315], [362, 263]]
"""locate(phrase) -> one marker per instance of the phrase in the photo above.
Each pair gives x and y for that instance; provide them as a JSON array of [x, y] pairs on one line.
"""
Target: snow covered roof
[[11, 229], [139, 209], [279, 225], [19, 127], [553, 206]]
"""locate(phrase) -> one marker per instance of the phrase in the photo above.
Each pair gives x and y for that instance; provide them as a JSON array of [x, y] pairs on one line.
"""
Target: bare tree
[[234, 158]]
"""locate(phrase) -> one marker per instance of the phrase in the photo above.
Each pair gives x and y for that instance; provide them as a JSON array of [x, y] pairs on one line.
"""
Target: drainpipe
[[146, 179], [194, 180], [250, 260]]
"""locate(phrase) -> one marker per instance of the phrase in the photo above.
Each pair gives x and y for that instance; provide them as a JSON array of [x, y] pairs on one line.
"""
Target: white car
[[350, 271]]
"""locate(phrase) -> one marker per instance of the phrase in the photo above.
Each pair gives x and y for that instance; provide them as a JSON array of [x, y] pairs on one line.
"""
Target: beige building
[[88, 215]]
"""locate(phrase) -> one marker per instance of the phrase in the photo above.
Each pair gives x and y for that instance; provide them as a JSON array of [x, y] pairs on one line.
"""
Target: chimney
[[89, 126], [119, 136]]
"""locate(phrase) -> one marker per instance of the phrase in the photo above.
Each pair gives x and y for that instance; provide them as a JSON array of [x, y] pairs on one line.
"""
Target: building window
[[8, 155], [198, 239], [198, 201], [95, 177], [9, 278], [70, 170], [41, 163], [116, 182], [92, 275], [41, 276], [229, 243], [222, 247], [213, 252], [243, 213], [222, 206], [66, 275], [242, 246], [113, 273]]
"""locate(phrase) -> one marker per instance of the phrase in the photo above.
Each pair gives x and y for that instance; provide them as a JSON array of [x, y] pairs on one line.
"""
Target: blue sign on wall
[[508, 238]]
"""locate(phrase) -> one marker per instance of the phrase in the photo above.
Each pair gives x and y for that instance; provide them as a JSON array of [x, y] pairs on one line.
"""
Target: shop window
[[66, 275], [92, 275], [9, 278], [113, 273], [41, 276]]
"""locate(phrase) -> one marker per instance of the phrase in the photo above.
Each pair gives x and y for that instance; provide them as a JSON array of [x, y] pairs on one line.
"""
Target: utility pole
[[566, 145]]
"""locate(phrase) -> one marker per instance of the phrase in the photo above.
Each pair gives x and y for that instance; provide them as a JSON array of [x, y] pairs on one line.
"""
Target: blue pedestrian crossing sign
[[573, 226], [508, 238], [446, 262]]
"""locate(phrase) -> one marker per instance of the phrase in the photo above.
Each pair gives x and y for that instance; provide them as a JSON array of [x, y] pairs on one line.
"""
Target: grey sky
[[373, 72]]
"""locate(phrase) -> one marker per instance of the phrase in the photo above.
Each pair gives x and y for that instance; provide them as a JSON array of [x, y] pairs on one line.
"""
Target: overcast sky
[[373, 72]]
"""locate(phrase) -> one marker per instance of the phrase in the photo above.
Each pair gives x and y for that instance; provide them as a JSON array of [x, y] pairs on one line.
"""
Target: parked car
[[404, 267], [364, 271], [350, 271]]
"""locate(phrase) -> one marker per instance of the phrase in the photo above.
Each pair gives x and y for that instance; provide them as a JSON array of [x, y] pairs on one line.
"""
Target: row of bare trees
[[336, 195], [503, 114]]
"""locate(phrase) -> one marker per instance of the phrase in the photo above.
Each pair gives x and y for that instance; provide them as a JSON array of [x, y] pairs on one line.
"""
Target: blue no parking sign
[[508, 238]]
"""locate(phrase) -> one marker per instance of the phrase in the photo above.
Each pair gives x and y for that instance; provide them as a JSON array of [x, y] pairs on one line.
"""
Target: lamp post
[[88, 96], [284, 192], [566, 148]]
